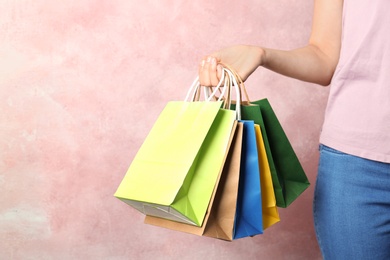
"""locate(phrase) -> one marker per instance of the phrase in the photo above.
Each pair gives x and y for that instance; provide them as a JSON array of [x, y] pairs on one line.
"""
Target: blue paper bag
[[248, 220]]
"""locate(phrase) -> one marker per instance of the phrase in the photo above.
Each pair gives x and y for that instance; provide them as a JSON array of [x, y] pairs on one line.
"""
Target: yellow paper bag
[[270, 211]]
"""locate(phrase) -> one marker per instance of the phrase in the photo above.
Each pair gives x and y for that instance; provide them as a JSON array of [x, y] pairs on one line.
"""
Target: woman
[[349, 49]]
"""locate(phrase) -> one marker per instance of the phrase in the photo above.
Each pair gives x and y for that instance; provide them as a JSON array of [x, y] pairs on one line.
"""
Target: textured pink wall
[[81, 83]]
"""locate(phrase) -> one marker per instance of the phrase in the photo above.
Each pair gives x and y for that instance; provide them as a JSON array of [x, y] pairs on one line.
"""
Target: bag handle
[[195, 90], [228, 80], [240, 81]]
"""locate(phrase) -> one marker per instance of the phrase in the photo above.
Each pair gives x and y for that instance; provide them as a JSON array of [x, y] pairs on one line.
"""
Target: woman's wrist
[[262, 56]]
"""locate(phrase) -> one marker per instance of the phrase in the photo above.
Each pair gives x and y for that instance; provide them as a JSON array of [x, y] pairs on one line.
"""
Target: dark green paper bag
[[288, 176]]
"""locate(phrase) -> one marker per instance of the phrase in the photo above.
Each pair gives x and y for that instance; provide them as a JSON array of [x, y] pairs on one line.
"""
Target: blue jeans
[[352, 207]]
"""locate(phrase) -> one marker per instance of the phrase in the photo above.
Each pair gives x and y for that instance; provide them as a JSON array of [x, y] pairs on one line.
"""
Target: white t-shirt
[[357, 119]]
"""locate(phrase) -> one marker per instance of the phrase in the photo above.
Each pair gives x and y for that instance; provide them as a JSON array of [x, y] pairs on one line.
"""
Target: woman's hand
[[244, 59]]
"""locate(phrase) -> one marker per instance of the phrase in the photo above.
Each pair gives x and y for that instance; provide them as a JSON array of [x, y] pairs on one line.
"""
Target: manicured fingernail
[[213, 61], [203, 62], [208, 59], [219, 70]]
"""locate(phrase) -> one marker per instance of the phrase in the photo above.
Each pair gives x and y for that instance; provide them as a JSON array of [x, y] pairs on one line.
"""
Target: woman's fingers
[[204, 78], [213, 72], [209, 72]]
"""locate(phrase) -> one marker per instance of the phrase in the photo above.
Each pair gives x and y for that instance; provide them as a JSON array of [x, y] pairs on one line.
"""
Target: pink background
[[81, 84]]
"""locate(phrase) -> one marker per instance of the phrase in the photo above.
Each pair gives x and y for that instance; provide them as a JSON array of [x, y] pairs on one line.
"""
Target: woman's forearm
[[307, 63]]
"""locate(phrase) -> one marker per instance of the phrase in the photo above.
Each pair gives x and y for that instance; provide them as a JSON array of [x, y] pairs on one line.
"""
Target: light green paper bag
[[175, 171]]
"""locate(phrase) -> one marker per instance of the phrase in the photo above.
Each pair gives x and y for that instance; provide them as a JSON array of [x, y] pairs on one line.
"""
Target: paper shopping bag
[[248, 219], [174, 172], [292, 178], [220, 224], [219, 220], [288, 177], [270, 210]]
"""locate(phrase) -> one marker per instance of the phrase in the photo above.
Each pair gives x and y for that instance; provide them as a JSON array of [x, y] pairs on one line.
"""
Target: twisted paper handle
[[229, 80]]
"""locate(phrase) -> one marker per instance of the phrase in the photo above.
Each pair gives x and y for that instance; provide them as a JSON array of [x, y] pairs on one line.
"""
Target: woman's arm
[[314, 63]]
